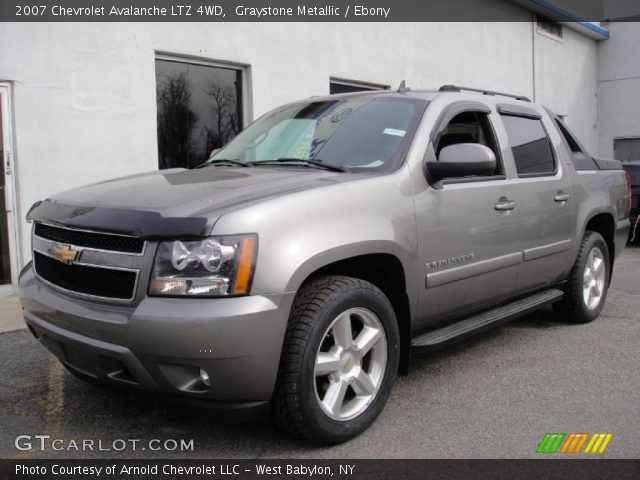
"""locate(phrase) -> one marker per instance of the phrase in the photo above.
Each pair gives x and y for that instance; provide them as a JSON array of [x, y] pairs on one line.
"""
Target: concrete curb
[[11, 314]]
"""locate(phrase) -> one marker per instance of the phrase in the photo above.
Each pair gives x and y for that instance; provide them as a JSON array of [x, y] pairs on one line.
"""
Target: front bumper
[[162, 343]]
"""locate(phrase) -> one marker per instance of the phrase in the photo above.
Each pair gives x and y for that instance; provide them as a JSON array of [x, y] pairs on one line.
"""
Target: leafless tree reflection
[[199, 109], [175, 122], [224, 112]]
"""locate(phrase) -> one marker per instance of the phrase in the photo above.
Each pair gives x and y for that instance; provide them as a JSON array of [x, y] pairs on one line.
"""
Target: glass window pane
[[336, 87], [530, 145], [470, 127], [199, 109], [291, 138], [626, 149], [356, 132]]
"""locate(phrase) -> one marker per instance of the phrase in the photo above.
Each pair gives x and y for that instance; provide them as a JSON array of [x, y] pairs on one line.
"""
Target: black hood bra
[[137, 223]]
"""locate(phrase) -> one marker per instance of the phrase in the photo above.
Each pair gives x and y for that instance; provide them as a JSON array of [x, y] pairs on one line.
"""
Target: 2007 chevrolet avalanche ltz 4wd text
[[302, 264]]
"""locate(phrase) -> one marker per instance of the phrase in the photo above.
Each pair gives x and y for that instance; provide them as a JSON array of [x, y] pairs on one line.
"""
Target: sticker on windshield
[[393, 131], [338, 117]]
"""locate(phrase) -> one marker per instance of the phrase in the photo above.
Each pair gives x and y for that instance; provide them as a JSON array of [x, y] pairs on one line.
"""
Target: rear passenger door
[[543, 195]]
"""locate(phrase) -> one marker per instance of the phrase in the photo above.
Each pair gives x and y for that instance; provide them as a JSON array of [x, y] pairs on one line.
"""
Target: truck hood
[[167, 203]]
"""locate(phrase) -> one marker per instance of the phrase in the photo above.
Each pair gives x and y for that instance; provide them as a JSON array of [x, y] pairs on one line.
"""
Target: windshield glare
[[356, 133]]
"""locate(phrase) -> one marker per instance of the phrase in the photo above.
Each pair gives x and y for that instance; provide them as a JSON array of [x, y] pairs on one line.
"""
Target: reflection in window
[[199, 110], [360, 132], [549, 26], [530, 145], [348, 86], [469, 127]]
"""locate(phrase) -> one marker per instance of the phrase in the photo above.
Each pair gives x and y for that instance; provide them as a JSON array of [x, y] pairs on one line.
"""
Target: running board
[[481, 322]]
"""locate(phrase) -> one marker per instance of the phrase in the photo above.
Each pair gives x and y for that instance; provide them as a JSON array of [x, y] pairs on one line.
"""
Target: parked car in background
[[633, 170], [302, 265]]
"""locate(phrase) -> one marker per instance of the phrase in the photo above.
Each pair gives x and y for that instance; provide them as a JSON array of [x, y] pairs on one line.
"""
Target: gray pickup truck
[[300, 267]]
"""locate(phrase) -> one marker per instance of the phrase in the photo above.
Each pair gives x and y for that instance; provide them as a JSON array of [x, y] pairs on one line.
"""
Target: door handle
[[505, 204], [562, 197]]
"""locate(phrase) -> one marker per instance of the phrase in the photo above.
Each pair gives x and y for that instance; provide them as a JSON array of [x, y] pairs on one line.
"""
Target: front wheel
[[588, 282], [339, 360]]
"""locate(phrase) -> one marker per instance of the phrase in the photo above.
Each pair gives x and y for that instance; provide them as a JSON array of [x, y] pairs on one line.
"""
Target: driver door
[[468, 228]]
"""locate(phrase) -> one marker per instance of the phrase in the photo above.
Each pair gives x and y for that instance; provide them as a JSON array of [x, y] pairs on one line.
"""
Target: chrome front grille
[[89, 264], [94, 240]]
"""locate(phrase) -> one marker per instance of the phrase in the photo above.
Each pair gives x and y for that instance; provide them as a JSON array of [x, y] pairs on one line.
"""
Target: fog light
[[204, 377]]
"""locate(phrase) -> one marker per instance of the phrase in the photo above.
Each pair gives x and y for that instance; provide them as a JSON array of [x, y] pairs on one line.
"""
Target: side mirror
[[463, 160], [214, 151]]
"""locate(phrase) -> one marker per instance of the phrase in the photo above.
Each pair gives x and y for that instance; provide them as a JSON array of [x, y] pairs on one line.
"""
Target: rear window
[[530, 145]]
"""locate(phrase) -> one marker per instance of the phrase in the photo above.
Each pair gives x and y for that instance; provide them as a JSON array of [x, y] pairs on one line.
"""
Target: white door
[[9, 244]]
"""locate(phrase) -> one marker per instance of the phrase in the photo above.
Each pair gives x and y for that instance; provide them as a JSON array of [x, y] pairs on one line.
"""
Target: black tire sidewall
[[578, 308], [332, 430]]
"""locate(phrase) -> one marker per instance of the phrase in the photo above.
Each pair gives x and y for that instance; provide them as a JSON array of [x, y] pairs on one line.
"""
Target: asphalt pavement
[[493, 396]]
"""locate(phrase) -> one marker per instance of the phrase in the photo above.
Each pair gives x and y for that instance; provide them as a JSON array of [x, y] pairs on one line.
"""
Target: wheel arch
[[387, 272], [604, 224]]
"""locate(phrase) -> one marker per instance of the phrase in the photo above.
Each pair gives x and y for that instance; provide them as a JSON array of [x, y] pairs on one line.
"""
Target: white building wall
[[565, 81], [85, 97], [619, 85]]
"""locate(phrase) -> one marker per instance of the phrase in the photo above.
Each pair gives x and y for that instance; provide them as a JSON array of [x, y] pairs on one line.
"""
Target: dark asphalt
[[493, 396]]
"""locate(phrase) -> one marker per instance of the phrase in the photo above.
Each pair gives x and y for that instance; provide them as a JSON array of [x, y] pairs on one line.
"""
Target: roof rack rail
[[456, 88]]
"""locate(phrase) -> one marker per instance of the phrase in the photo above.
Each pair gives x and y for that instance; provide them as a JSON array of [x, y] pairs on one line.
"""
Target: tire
[[317, 364], [578, 306]]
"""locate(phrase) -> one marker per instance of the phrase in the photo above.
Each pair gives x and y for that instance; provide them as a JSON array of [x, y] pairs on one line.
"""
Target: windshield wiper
[[305, 162], [218, 161]]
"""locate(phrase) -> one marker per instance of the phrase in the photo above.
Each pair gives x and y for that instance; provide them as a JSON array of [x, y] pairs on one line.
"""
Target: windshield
[[360, 133]]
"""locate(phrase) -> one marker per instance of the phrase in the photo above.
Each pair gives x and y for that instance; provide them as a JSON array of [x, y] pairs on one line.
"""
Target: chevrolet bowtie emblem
[[64, 253]]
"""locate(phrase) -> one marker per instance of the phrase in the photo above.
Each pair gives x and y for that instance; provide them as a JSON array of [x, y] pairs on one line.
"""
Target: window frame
[[365, 86], [448, 114], [542, 24], [537, 117], [246, 97], [628, 137]]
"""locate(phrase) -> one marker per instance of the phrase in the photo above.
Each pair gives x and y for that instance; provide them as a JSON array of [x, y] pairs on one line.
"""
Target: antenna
[[403, 87]]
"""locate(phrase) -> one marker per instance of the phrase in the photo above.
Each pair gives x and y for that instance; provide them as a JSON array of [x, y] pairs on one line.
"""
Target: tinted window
[[199, 109], [530, 145], [549, 26], [339, 87], [469, 127]]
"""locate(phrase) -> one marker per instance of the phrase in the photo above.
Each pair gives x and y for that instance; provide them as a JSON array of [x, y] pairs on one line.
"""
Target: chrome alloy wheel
[[593, 279], [350, 364]]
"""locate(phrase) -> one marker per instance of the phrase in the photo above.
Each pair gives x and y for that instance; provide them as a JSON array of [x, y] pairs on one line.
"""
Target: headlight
[[213, 267]]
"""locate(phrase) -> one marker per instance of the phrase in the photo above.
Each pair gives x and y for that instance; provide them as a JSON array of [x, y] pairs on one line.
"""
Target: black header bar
[[201, 469], [314, 10]]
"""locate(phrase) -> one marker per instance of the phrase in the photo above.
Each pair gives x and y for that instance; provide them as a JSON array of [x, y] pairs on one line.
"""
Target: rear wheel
[[339, 360], [588, 282]]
